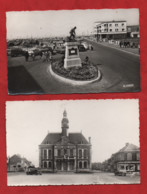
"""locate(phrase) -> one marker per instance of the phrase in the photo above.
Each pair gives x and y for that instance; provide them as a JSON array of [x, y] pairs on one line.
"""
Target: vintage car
[[16, 52], [120, 173], [81, 48], [31, 170]]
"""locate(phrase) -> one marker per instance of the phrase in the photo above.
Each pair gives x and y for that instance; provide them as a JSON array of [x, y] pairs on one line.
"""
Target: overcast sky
[[109, 123], [58, 23]]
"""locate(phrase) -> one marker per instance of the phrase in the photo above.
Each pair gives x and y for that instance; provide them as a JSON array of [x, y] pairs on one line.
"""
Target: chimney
[[127, 144]]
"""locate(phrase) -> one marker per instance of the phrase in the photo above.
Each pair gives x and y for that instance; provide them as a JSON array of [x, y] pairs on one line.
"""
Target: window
[[59, 152], [116, 30], [110, 30], [129, 156], [116, 24], [71, 152], [65, 151], [49, 165], [121, 156], [138, 156], [138, 167], [123, 29], [121, 167], [122, 24], [45, 164], [80, 153], [80, 164], [85, 164], [85, 153], [49, 153], [45, 154], [110, 24]]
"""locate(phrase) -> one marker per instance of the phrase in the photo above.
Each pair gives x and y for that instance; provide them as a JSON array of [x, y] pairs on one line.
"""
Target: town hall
[[65, 151]]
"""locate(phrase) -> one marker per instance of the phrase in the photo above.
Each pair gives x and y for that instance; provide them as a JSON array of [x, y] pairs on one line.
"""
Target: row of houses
[[115, 30]]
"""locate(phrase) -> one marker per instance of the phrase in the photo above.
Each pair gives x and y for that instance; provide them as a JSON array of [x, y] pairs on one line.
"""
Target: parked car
[[86, 46], [81, 48], [120, 173], [60, 50], [32, 170], [8, 51], [16, 52]]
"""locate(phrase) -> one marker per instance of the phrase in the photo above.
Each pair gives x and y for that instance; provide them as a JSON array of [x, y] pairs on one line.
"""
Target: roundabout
[[83, 75]]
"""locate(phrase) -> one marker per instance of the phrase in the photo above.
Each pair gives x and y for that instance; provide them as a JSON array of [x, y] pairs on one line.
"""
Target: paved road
[[71, 178], [121, 73]]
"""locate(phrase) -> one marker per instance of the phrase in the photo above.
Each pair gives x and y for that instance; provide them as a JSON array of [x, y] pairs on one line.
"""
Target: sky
[[110, 124], [26, 24]]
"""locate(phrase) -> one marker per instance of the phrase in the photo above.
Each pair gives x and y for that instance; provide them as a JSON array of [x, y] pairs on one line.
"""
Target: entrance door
[[64, 165]]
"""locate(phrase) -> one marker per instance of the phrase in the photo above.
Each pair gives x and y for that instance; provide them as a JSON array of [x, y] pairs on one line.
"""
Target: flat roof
[[113, 21]]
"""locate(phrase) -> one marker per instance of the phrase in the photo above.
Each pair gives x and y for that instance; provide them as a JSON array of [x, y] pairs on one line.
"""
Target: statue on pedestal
[[72, 34]]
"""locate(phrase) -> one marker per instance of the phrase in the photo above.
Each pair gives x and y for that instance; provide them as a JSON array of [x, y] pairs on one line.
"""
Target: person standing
[[26, 56]]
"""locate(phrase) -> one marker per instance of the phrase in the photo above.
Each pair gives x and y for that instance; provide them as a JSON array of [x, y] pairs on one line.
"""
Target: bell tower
[[64, 124]]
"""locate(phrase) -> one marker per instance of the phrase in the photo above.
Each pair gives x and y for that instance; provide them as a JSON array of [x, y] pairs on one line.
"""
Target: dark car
[[33, 171], [60, 50], [16, 52], [81, 48], [120, 173]]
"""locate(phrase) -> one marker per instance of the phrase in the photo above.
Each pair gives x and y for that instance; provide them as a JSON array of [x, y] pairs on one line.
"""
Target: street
[[120, 73], [70, 178]]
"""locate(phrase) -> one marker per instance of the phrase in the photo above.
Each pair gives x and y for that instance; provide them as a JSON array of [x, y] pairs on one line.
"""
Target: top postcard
[[73, 51]]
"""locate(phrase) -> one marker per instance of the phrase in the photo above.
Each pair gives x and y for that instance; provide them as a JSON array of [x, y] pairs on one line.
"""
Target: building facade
[[127, 159], [133, 31], [65, 151], [16, 163], [110, 29]]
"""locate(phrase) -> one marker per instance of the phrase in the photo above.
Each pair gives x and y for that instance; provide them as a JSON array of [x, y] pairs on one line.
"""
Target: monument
[[72, 58], [70, 69]]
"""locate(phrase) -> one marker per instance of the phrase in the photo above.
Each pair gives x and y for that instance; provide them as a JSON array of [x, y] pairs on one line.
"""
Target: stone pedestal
[[72, 58]]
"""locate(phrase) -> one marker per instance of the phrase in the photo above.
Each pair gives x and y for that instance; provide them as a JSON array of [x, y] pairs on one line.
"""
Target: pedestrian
[[26, 56], [47, 56], [43, 56], [120, 43], [86, 61]]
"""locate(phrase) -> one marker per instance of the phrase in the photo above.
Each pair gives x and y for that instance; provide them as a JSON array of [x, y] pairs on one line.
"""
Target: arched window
[[129, 156], [85, 153], [85, 164], [45, 164], [80, 153], [49, 165], [49, 153], [80, 164]]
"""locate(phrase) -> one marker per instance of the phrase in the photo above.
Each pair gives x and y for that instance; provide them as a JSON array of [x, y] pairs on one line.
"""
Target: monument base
[[72, 58], [76, 62]]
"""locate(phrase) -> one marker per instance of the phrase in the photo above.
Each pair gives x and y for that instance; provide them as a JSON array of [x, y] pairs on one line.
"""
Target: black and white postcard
[[70, 142], [73, 51]]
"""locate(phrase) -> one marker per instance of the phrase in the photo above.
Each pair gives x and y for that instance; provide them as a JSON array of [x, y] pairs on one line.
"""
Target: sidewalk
[[134, 51]]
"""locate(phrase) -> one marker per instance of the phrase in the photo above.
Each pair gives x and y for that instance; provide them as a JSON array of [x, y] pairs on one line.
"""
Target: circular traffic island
[[85, 74]]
